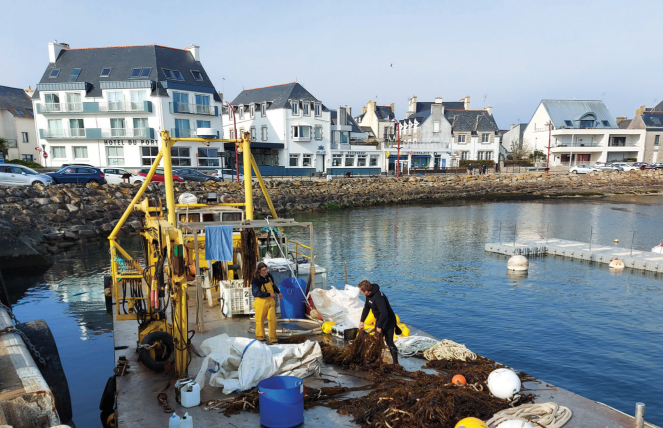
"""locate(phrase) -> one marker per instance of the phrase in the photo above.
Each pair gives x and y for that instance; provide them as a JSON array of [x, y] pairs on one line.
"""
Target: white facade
[[17, 126]]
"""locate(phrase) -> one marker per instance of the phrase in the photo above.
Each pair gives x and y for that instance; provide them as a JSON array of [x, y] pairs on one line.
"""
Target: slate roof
[[348, 121], [367, 130], [658, 107], [573, 110], [471, 121], [13, 99], [653, 119], [121, 60], [384, 113], [624, 123], [276, 96], [424, 106]]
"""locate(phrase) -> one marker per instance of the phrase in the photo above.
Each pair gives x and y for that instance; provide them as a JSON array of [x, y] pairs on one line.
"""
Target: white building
[[350, 151], [290, 129], [107, 106], [578, 131], [17, 124]]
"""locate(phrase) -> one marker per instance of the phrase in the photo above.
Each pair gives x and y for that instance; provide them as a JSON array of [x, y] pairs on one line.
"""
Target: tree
[[4, 146], [537, 155], [520, 149]]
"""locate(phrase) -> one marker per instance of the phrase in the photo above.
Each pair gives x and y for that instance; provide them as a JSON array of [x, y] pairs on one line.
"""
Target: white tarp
[[340, 306], [238, 366]]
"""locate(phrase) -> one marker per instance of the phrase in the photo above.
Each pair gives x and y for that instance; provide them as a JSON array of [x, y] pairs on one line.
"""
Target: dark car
[[641, 165], [158, 175], [78, 174], [77, 164], [190, 174]]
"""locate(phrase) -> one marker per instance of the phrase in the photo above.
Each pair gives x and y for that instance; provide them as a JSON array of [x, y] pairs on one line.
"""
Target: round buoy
[[503, 383], [515, 423], [616, 241], [327, 326], [518, 263], [459, 379], [471, 423], [404, 329], [616, 264]]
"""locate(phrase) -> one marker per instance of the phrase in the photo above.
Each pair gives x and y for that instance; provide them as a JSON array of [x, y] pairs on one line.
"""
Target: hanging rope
[[449, 350], [413, 345], [548, 415]]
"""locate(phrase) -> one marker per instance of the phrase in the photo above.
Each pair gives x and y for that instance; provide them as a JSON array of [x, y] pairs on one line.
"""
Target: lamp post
[[398, 148], [549, 137]]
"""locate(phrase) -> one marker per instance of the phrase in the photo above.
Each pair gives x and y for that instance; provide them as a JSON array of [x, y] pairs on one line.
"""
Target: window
[[263, 133], [318, 132], [306, 161], [336, 160], [294, 160], [135, 72], [183, 128], [305, 109], [656, 140], [76, 128], [74, 102], [115, 101], [374, 160], [461, 138], [138, 100], [318, 109], [105, 72], [349, 160], [301, 132], [197, 75], [28, 158], [24, 137], [253, 133], [181, 156], [252, 111], [485, 155], [145, 72], [485, 138], [263, 109], [295, 107], [605, 123], [168, 73], [465, 155], [202, 104], [74, 74], [58, 152], [115, 156], [12, 144], [117, 128], [436, 126], [203, 124], [178, 75], [267, 157], [140, 127], [55, 128], [52, 102], [181, 99], [241, 112], [568, 123], [361, 160], [80, 152], [54, 73], [148, 155], [232, 134]]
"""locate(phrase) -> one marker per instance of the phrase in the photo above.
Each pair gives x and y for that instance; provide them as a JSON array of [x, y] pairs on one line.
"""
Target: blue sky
[[507, 54]]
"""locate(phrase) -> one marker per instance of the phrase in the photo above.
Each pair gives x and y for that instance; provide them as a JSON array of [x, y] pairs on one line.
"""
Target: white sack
[[340, 306], [259, 362]]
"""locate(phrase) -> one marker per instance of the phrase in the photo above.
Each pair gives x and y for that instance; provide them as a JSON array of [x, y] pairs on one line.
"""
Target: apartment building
[[17, 124]]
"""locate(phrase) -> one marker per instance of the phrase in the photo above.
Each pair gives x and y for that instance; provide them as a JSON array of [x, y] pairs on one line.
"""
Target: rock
[[56, 200], [70, 236], [72, 208], [62, 213], [43, 201], [86, 233], [135, 225]]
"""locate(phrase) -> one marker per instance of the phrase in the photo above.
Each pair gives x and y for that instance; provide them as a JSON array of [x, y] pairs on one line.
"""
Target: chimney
[[30, 91], [620, 118], [392, 108], [54, 50], [340, 116], [438, 100], [466, 102], [364, 110], [513, 125], [489, 110], [195, 51], [349, 109], [640, 111]]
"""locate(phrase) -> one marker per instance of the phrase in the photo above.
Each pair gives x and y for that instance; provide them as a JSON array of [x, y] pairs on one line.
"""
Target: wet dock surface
[[138, 389]]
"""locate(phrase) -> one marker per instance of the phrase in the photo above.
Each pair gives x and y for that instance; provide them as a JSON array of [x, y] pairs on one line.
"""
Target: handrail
[[297, 245]]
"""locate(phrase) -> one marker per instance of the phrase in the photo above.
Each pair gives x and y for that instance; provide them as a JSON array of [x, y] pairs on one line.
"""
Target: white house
[[290, 129], [106, 106], [17, 124], [577, 131], [350, 152]]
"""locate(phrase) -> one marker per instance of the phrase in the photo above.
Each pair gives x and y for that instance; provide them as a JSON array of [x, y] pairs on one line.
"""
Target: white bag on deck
[[240, 363], [340, 306]]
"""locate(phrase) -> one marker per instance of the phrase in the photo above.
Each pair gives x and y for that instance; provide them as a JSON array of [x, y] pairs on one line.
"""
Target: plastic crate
[[238, 300]]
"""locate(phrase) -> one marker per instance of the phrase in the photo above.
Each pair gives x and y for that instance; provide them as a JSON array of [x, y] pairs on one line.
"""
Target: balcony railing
[[88, 133], [126, 106], [593, 144], [95, 107], [127, 133], [419, 146], [181, 133], [60, 107], [201, 109]]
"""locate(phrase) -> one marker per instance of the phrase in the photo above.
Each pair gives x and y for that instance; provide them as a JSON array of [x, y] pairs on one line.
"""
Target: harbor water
[[574, 324]]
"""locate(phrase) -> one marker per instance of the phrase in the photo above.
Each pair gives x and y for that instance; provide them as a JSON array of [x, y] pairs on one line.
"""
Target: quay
[[636, 259]]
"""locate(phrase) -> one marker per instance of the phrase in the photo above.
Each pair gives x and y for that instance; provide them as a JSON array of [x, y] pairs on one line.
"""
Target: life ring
[[156, 349]]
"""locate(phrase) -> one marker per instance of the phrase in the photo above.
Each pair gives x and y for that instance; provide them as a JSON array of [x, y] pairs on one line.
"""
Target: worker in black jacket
[[264, 290], [385, 319]]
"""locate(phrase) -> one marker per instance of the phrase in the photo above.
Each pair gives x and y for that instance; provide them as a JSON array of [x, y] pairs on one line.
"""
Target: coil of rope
[[549, 415], [449, 350], [413, 345]]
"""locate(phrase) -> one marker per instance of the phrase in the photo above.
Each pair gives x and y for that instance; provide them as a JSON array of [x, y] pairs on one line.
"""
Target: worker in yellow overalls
[[264, 290]]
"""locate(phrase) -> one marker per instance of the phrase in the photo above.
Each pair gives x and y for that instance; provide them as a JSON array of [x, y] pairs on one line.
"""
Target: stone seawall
[[53, 218]]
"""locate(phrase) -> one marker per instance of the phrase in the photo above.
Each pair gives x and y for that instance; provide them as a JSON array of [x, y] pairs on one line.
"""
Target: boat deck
[[137, 404]]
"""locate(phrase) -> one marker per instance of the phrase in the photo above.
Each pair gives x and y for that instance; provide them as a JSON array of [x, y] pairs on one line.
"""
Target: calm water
[[569, 323]]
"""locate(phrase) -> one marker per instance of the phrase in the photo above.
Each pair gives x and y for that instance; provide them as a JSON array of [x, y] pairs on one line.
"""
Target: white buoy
[[616, 264], [515, 423], [517, 263], [503, 383]]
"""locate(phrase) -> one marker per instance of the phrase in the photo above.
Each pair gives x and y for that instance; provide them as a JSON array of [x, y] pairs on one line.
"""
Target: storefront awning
[[230, 146]]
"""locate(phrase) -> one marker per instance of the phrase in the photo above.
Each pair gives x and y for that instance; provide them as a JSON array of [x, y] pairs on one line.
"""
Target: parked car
[[626, 167], [639, 165], [114, 176], [227, 174], [606, 166], [78, 174], [19, 175], [190, 174], [583, 169], [158, 175], [77, 164], [657, 165]]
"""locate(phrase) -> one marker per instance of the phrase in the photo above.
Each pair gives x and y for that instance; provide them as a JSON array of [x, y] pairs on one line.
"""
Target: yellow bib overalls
[[265, 307]]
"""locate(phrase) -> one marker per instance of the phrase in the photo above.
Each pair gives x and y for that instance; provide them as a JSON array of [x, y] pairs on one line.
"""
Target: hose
[[549, 415], [284, 332], [413, 345], [449, 350]]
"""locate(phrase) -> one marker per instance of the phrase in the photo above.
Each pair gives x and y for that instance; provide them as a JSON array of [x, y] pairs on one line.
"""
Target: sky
[[506, 54]]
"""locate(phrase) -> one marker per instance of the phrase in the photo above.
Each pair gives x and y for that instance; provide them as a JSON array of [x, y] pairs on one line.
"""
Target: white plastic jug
[[187, 421], [190, 394], [174, 421]]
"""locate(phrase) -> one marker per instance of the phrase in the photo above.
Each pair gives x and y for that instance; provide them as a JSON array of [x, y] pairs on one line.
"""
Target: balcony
[[126, 106], [201, 109], [47, 108], [95, 107], [182, 133], [70, 133], [127, 133], [420, 146]]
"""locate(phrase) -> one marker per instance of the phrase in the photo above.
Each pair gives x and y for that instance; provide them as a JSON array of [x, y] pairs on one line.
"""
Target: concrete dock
[[137, 391], [636, 259]]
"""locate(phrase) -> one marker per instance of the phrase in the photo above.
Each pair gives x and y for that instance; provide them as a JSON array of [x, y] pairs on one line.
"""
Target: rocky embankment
[[50, 219]]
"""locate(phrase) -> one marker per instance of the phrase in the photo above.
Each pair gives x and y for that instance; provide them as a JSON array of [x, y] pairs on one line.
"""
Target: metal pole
[[398, 155], [499, 236], [168, 177], [312, 271], [639, 415], [548, 157], [199, 289], [632, 239], [345, 268], [547, 233], [591, 231], [248, 189], [515, 232]]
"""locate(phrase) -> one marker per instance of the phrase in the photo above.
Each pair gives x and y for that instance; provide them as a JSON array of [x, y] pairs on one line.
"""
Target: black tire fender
[[157, 364]]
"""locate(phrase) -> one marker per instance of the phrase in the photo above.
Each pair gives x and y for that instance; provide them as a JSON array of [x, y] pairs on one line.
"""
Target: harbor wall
[[50, 219]]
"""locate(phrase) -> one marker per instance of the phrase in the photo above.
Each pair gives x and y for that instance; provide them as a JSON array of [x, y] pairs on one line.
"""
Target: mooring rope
[[449, 350], [412, 345], [549, 415]]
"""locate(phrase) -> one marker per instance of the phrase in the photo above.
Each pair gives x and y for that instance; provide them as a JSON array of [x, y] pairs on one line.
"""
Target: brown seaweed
[[292, 340]]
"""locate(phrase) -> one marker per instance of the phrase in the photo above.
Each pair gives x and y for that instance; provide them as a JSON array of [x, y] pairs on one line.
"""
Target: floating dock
[[137, 390], [636, 259]]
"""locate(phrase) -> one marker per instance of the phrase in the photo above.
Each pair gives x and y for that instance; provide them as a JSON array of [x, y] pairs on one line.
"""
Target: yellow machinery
[[172, 250]]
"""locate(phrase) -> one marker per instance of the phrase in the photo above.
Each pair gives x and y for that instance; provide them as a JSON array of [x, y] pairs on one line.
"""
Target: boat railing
[[297, 251]]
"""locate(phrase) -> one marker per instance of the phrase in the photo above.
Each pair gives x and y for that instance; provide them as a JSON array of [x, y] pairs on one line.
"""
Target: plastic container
[[187, 421], [190, 394], [281, 401], [293, 304], [174, 421]]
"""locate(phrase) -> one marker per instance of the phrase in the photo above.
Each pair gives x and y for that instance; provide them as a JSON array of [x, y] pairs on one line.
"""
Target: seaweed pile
[[292, 340], [363, 354], [475, 372]]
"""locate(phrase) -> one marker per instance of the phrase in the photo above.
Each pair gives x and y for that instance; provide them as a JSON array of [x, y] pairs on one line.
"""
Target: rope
[[449, 350], [548, 415], [413, 345]]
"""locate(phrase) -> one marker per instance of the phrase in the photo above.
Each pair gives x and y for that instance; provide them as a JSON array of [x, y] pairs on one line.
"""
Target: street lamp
[[398, 151], [549, 137]]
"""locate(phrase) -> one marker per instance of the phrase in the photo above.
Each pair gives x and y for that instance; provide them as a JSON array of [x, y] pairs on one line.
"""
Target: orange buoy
[[459, 379]]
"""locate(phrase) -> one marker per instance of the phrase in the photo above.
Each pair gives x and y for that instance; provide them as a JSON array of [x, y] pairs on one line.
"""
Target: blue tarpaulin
[[219, 243]]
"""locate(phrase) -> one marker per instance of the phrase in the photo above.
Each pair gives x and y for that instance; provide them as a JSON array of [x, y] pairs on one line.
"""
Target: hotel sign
[[132, 142]]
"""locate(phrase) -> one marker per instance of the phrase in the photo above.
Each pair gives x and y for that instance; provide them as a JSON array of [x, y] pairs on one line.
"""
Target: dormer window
[[263, 109], [178, 75], [318, 109], [74, 74], [172, 74], [587, 121], [140, 72], [305, 109], [230, 113], [54, 73], [295, 107], [197, 75], [105, 72], [253, 111], [135, 72], [605, 123], [145, 72], [568, 123], [241, 112]]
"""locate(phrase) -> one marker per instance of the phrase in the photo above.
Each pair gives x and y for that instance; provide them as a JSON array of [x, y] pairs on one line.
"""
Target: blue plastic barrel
[[281, 401], [293, 304]]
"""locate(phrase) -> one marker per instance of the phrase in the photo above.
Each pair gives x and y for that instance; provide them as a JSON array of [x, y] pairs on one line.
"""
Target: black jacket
[[258, 289], [379, 304]]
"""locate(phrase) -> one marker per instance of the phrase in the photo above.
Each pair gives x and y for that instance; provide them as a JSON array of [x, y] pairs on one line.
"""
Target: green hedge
[[518, 163], [24, 163], [466, 163]]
